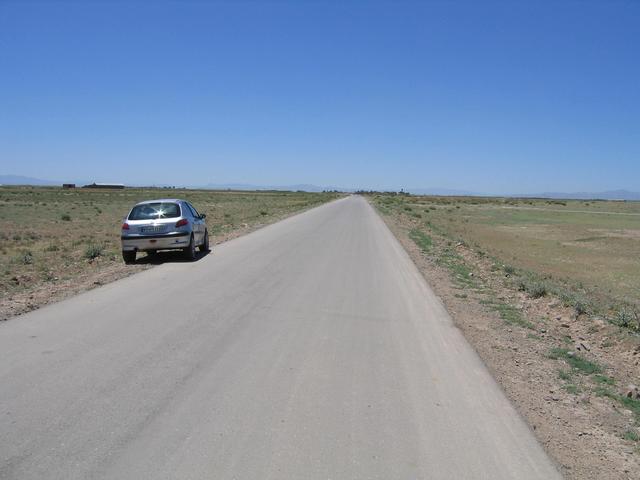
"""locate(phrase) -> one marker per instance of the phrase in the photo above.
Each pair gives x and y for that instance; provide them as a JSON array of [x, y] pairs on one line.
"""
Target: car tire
[[190, 251], [205, 243], [129, 256]]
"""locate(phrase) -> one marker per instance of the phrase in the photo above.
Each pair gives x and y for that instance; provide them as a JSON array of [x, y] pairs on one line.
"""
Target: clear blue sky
[[493, 97]]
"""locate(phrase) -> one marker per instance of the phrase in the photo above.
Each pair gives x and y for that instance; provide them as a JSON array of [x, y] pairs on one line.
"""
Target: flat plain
[[55, 242], [591, 244]]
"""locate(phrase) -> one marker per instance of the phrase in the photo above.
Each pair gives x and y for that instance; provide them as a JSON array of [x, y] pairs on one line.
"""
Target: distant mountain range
[[606, 195], [444, 192], [20, 180], [245, 186]]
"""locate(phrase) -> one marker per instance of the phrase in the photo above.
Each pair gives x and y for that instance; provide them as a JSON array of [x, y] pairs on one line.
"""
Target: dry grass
[[592, 245]]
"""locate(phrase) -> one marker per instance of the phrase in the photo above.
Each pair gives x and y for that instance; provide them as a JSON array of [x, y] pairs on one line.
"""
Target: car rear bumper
[[164, 241]]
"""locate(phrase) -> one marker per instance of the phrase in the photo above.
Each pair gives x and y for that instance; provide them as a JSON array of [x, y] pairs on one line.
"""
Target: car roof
[[164, 200]]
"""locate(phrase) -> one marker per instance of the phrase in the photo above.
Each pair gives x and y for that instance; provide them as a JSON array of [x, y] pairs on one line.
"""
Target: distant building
[[68, 185], [105, 185]]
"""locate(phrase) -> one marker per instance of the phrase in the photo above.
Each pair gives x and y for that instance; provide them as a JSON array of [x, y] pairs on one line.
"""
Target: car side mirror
[[203, 215]]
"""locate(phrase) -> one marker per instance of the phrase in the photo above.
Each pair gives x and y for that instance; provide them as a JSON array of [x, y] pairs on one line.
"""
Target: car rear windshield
[[150, 211]]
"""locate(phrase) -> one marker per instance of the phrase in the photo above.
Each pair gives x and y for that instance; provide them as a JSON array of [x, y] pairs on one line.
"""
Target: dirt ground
[[583, 418]]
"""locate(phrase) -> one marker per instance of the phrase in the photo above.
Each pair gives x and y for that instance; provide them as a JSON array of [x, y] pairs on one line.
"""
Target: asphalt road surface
[[310, 349]]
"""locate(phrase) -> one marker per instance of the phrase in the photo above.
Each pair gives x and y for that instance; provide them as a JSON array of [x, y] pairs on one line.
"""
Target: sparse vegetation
[[578, 363], [93, 251], [25, 258], [508, 313], [627, 317], [603, 380], [631, 435], [565, 375], [632, 404], [543, 250], [535, 289], [509, 270], [571, 388], [421, 239]]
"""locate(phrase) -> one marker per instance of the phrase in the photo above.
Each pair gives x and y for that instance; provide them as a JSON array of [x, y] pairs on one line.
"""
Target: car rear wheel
[[190, 251], [129, 256], [205, 243]]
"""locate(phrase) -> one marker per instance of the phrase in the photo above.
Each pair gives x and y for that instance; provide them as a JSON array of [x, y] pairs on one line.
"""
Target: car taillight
[[125, 226], [182, 223]]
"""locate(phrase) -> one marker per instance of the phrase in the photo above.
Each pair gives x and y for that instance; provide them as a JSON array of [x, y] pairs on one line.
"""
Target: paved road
[[310, 349]]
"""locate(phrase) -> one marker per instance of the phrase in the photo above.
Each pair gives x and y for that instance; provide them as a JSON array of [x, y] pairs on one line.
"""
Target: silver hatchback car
[[166, 224]]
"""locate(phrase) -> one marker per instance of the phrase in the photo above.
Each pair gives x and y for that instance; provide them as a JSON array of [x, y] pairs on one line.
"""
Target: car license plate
[[153, 229]]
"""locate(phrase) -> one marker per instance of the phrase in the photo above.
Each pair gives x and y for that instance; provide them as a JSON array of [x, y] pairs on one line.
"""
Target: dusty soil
[[590, 435]]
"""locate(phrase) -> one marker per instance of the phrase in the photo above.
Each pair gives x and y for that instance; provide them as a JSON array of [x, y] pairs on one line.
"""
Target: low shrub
[[534, 289], [537, 289], [508, 269], [93, 251], [627, 318], [25, 258]]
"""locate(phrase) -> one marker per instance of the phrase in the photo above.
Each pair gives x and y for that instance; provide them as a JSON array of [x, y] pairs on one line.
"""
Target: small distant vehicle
[[165, 224]]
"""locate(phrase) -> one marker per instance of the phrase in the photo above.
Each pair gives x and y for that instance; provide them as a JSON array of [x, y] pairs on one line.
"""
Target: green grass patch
[[462, 274], [603, 379], [572, 389], [565, 375], [632, 404], [421, 239], [576, 362], [383, 209], [508, 313]]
